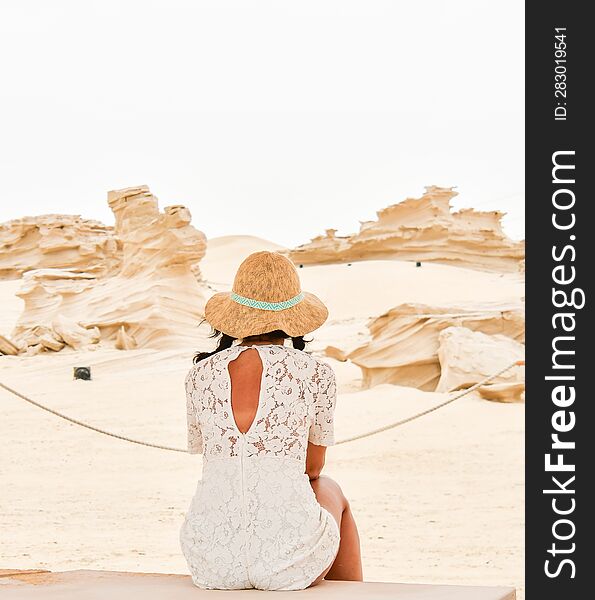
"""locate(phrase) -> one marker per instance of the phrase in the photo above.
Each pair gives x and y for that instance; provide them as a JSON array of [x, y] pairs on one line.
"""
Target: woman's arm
[[322, 430], [314, 460], [195, 443]]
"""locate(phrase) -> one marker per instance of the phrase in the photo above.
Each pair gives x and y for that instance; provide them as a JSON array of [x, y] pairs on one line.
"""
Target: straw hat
[[266, 296]]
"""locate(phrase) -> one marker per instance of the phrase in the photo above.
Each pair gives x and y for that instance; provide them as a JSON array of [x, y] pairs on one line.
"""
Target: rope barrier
[[86, 425], [433, 408], [343, 441]]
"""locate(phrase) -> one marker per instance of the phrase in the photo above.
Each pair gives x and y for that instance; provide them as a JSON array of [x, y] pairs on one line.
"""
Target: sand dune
[[225, 253]]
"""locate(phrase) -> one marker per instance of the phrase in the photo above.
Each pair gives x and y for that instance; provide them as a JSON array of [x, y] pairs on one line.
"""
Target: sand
[[439, 500]]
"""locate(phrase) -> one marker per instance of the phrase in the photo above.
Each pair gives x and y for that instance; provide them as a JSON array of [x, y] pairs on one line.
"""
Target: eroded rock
[[56, 241], [404, 342], [467, 357], [151, 287], [421, 230]]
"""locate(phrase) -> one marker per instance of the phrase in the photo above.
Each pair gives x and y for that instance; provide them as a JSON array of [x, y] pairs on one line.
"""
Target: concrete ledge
[[113, 585]]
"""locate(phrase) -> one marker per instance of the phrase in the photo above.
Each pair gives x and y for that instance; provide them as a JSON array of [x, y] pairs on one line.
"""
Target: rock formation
[[404, 341], [57, 241], [466, 357], [422, 229], [145, 296], [504, 392], [124, 341], [7, 347]]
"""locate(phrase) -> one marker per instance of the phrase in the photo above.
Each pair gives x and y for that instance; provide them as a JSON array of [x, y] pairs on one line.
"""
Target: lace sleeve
[[195, 445], [322, 429]]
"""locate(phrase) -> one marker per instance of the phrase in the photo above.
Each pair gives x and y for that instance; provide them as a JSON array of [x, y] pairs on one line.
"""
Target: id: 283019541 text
[[560, 84]]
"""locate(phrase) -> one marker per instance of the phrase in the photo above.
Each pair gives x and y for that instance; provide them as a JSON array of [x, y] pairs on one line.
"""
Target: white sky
[[272, 118]]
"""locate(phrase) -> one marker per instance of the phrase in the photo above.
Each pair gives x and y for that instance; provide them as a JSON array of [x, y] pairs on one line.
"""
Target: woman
[[261, 413]]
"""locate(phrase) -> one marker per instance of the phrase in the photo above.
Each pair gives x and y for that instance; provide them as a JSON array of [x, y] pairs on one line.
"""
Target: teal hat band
[[267, 305]]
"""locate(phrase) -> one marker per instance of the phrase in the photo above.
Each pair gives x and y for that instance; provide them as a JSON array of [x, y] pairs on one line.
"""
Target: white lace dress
[[254, 521]]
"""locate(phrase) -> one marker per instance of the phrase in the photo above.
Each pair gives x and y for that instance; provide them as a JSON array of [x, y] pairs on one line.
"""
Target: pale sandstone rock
[[336, 353], [56, 241], [124, 341], [404, 341], [7, 347], [504, 392], [34, 350], [152, 290], [153, 240], [74, 334], [34, 337], [422, 229], [466, 357], [50, 341]]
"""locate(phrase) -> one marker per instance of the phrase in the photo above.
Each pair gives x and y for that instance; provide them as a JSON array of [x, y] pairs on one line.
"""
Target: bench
[[114, 585]]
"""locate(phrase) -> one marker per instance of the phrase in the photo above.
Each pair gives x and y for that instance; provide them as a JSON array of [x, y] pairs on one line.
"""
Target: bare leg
[[347, 565]]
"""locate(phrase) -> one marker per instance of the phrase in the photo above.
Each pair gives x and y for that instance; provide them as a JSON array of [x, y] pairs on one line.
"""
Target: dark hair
[[225, 341]]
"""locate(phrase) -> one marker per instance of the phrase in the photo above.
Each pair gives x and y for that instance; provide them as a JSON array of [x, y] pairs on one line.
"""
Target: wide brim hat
[[266, 296]]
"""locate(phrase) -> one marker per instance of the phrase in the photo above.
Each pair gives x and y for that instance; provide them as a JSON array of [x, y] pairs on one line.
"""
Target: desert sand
[[439, 500]]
